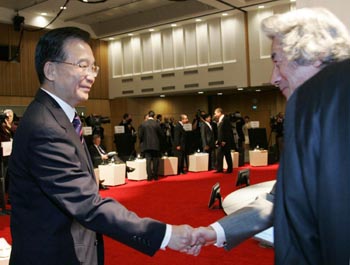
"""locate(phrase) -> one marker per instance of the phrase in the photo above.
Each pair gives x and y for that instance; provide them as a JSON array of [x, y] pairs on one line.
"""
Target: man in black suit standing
[[180, 143], [151, 136], [225, 141], [57, 214], [208, 140]]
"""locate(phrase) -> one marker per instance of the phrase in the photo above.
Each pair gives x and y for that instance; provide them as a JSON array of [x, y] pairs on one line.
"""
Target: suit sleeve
[[248, 221]]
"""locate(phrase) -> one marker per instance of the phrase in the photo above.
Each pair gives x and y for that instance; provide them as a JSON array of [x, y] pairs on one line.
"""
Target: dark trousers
[[224, 151], [212, 160], [152, 163], [181, 157]]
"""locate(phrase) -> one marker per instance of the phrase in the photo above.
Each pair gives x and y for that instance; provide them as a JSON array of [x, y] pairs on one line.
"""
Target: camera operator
[[277, 127], [8, 127]]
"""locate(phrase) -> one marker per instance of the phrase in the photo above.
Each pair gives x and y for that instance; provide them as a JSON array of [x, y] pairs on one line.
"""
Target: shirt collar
[[68, 109]]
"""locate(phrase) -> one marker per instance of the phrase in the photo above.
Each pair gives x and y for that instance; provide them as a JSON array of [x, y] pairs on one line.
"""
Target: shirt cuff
[[167, 236], [220, 235]]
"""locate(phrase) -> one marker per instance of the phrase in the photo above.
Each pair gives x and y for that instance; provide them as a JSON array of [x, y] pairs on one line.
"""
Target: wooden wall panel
[[20, 79]]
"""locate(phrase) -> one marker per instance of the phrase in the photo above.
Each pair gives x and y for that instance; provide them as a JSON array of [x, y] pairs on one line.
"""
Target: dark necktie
[[78, 127]]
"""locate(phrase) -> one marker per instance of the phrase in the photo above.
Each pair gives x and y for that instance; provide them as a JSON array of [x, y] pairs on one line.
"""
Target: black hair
[[51, 47]]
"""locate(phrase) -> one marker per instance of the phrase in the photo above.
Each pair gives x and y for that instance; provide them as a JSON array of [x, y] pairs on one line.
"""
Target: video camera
[[96, 120], [3, 117]]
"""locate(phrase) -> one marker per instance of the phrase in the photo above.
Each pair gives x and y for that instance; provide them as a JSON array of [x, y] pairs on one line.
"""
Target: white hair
[[309, 34]]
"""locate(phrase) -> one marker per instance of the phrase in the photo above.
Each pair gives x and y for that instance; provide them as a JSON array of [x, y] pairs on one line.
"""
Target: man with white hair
[[310, 51]]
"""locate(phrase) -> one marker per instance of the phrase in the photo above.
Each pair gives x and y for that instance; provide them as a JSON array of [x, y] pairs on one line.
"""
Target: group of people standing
[[217, 138]]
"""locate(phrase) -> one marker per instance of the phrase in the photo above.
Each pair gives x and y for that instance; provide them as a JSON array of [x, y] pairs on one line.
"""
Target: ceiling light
[[111, 38], [151, 30], [174, 25], [261, 7], [43, 14], [220, 93], [293, 1], [162, 96], [92, 1], [63, 7], [200, 92], [198, 20], [240, 88], [224, 14], [258, 90], [130, 34]]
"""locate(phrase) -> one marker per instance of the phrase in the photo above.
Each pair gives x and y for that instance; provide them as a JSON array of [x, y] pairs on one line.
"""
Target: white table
[[168, 166], [198, 162], [5, 252], [140, 172], [112, 174], [235, 160], [242, 197], [258, 158]]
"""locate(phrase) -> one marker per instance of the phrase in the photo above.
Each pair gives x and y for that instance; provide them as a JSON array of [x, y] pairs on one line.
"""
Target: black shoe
[[130, 169], [218, 171], [103, 187]]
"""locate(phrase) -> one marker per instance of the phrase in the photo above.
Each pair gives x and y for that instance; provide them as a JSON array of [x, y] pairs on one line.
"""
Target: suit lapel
[[62, 119]]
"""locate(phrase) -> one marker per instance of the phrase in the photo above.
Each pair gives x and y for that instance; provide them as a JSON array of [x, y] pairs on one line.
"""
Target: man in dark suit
[[151, 136], [225, 141], [180, 144], [57, 214], [208, 140], [311, 212]]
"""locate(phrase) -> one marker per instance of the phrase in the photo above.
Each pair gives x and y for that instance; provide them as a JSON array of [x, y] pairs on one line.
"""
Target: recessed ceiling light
[[111, 38], [258, 90], [43, 14], [293, 1], [198, 20], [220, 93], [240, 88], [200, 92], [130, 34], [174, 25], [162, 96], [151, 30], [261, 7], [224, 14], [63, 7]]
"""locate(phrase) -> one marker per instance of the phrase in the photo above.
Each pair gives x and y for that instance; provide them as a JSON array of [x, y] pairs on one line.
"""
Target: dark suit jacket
[[225, 133], [312, 213], [56, 206], [179, 137], [95, 155], [150, 135], [207, 136]]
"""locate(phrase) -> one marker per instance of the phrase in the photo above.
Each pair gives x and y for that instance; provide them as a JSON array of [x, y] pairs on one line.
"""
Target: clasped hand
[[186, 239]]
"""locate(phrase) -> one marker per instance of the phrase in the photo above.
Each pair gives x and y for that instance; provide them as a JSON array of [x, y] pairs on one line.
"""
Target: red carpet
[[178, 200]]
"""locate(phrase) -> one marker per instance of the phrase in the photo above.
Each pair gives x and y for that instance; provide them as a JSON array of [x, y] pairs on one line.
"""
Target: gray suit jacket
[[57, 214], [248, 221]]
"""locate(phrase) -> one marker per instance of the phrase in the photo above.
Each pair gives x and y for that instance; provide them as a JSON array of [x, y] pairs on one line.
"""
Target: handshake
[[189, 240]]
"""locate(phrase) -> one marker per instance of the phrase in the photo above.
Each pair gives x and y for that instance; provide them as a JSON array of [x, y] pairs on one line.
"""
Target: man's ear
[[50, 71]]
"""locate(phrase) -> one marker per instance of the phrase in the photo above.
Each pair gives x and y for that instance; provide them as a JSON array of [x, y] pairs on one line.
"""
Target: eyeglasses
[[93, 69]]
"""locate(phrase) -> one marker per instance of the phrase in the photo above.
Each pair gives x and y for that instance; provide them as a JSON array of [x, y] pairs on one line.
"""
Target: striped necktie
[[78, 127]]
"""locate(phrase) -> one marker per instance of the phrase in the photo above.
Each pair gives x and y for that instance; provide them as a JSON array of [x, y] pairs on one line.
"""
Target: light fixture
[[174, 25], [198, 20], [130, 34], [240, 88], [162, 96], [92, 1], [224, 14], [151, 30], [261, 7], [200, 92], [220, 93]]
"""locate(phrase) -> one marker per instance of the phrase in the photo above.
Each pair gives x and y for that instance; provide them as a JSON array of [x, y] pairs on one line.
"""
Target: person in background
[[208, 140], [57, 214], [225, 141], [310, 54], [151, 136], [179, 144]]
